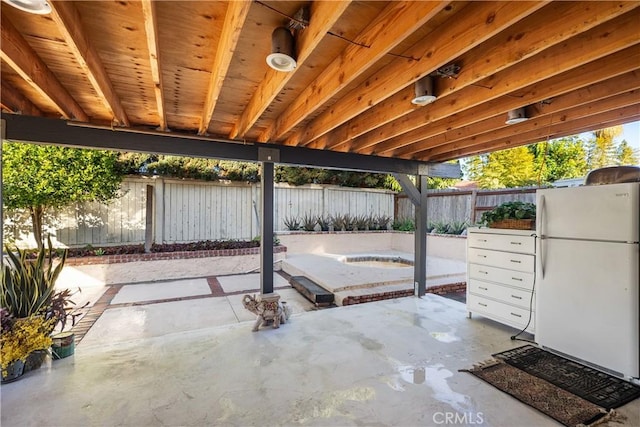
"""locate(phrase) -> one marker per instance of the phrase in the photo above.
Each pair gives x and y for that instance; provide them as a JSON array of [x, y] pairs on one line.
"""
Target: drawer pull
[[518, 279], [482, 256], [516, 297], [484, 289], [517, 315], [481, 304], [516, 261], [515, 243], [482, 240], [483, 272]]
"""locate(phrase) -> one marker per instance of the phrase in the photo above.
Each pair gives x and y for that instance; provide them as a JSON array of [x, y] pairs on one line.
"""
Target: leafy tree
[[559, 159], [40, 177], [625, 154], [601, 148], [507, 168]]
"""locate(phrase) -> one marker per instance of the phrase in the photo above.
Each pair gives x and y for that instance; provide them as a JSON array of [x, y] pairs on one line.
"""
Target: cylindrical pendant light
[[516, 116], [424, 91], [282, 50]]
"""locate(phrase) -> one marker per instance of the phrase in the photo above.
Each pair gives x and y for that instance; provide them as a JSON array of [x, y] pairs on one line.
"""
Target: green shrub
[[292, 223], [404, 225]]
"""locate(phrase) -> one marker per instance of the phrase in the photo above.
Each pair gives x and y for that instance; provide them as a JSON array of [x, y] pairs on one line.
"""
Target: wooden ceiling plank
[[612, 36], [583, 95], [235, 17], [473, 25], [17, 102], [584, 124], [397, 21], [518, 42], [21, 57], [600, 70], [323, 16], [67, 18], [547, 119], [151, 29]]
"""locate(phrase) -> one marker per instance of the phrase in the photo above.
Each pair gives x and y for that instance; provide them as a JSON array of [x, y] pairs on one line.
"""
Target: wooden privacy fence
[[462, 206], [172, 210]]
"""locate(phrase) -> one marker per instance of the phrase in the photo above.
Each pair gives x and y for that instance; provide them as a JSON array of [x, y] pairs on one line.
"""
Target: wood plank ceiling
[[199, 68]]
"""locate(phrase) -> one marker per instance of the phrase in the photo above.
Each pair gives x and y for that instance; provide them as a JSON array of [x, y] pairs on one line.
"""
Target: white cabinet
[[501, 275]]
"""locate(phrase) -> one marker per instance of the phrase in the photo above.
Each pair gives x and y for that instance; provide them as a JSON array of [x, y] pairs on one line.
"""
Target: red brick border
[[156, 256]]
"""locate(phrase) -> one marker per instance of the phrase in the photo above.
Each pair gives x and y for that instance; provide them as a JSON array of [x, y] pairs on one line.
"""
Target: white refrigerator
[[587, 275]]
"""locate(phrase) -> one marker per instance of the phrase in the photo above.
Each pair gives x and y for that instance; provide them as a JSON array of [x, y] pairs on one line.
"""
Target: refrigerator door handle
[[541, 235]]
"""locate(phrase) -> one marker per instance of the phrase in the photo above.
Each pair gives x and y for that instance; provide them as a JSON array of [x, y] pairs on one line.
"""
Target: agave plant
[[309, 222], [28, 284]]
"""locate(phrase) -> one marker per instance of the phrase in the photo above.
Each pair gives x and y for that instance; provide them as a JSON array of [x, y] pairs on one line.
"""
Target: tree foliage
[[506, 168], [40, 177], [549, 161]]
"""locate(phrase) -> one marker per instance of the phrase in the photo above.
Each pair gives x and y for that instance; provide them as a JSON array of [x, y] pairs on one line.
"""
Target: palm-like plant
[[28, 284]]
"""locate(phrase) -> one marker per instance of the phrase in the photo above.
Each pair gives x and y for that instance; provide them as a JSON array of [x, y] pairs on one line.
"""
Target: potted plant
[[514, 215], [60, 311], [27, 292], [21, 338]]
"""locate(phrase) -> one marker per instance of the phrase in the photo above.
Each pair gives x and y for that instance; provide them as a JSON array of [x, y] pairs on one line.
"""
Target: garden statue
[[267, 308]]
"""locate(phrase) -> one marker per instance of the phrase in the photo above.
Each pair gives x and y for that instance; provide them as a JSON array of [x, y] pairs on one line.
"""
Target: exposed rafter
[[151, 28], [467, 29], [586, 47], [237, 12], [21, 57], [323, 17], [556, 105], [396, 22], [583, 124], [517, 43], [540, 121], [69, 22], [15, 102]]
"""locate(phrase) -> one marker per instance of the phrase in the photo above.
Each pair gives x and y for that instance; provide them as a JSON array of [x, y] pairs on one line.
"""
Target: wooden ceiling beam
[[323, 16], [21, 57], [541, 120], [558, 130], [237, 12], [151, 29], [396, 22], [16, 102], [473, 25], [67, 18], [589, 93], [603, 40], [518, 42]]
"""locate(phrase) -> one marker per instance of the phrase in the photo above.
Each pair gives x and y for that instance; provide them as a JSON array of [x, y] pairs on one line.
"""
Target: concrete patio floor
[[196, 362]]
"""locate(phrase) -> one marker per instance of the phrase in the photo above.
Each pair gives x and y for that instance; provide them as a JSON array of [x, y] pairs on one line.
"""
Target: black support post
[[420, 236], [266, 229]]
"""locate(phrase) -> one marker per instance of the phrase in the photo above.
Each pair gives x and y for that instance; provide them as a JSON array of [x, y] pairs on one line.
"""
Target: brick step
[[312, 291]]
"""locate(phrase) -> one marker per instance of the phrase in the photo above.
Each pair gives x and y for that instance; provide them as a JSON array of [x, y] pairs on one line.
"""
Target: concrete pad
[[247, 282], [163, 290], [389, 363], [123, 324], [329, 272]]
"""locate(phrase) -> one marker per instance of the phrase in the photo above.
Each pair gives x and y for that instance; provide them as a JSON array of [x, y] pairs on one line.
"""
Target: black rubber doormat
[[590, 384]]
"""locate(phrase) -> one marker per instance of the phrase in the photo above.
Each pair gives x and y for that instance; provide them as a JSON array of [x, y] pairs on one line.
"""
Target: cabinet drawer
[[506, 294], [502, 242], [519, 279], [510, 261], [501, 312]]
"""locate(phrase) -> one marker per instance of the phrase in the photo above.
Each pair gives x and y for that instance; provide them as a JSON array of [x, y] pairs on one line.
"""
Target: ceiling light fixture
[[282, 50], [38, 7], [424, 91], [516, 116]]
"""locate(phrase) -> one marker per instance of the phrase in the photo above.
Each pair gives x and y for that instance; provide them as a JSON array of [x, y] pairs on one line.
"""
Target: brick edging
[[156, 256]]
